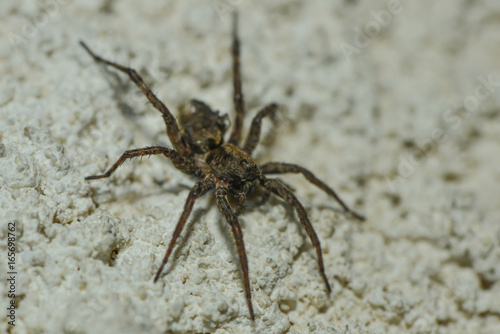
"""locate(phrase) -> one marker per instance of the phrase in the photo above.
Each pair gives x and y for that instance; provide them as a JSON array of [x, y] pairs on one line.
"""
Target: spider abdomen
[[202, 128]]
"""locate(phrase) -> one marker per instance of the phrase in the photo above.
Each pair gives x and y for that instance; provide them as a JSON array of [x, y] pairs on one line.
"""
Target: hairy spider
[[199, 150]]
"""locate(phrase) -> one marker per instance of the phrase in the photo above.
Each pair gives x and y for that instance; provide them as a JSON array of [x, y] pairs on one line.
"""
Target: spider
[[199, 150]]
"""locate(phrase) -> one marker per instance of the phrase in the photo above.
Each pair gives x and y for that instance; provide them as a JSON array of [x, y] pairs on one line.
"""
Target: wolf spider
[[199, 151]]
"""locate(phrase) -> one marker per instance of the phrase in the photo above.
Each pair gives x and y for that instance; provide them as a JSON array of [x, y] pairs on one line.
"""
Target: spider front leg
[[254, 134], [281, 168], [277, 188], [232, 219], [197, 191], [173, 131], [177, 160]]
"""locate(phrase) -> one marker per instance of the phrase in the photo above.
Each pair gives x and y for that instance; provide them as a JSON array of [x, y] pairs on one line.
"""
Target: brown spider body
[[199, 150], [202, 127], [236, 167]]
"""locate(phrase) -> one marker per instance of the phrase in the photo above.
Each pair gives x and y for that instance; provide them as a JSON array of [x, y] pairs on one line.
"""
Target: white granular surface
[[394, 103]]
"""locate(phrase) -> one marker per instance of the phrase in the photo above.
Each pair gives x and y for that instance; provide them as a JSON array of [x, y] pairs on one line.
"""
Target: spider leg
[[254, 135], [232, 219], [173, 131], [242, 201], [276, 187], [238, 100], [265, 197], [280, 168], [267, 193], [198, 190], [177, 160]]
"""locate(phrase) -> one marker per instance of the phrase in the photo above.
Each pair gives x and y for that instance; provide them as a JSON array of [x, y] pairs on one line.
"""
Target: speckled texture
[[394, 105]]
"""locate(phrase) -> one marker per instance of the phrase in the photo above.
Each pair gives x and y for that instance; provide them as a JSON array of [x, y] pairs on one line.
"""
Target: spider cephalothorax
[[228, 169], [234, 166]]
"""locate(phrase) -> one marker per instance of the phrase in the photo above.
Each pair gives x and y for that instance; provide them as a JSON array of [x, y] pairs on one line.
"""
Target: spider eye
[[244, 163]]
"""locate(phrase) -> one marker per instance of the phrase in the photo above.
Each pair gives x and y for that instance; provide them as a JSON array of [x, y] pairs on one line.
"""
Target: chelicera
[[228, 169]]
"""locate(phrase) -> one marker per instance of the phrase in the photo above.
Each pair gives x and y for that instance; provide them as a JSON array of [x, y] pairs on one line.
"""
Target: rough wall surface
[[393, 103]]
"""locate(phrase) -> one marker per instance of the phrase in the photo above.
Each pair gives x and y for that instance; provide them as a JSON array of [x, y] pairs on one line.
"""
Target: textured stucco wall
[[394, 104]]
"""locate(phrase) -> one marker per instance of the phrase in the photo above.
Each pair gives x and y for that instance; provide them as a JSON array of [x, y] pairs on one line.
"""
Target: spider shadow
[[132, 196], [329, 207]]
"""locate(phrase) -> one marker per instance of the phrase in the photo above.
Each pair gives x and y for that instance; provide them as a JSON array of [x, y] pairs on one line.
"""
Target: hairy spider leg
[[242, 201], [254, 134], [238, 100], [182, 164], [281, 168], [173, 131], [232, 219], [277, 188], [198, 190]]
